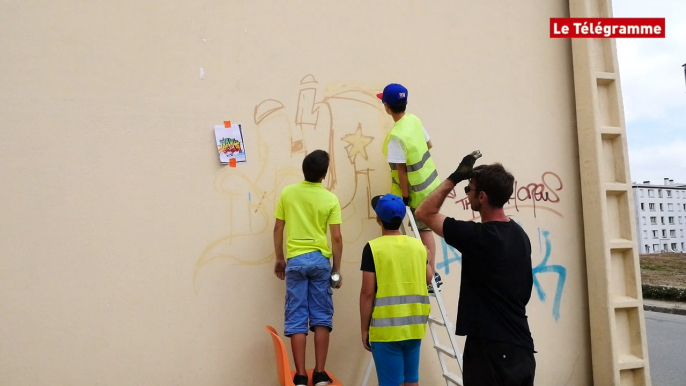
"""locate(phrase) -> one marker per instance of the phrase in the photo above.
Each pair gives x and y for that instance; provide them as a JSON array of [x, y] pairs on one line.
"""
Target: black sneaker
[[321, 378], [439, 281], [300, 380]]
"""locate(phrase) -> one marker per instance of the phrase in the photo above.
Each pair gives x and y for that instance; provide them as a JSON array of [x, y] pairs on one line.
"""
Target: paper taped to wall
[[230, 143]]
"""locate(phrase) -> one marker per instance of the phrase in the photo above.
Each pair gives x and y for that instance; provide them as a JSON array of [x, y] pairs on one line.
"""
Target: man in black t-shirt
[[496, 280]]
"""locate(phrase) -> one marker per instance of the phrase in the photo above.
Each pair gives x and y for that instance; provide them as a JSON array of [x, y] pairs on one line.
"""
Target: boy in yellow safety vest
[[413, 171], [394, 301]]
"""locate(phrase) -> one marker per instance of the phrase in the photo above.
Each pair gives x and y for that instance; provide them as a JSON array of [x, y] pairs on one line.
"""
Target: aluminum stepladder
[[443, 351]]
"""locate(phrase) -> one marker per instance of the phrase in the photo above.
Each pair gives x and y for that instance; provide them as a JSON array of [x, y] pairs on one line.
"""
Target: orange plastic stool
[[283, 368]]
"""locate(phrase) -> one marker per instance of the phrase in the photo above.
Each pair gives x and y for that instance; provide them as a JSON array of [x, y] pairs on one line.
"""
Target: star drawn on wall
[[357, 144]]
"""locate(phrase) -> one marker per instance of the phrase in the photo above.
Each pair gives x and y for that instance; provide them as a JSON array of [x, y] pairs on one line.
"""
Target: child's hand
[[365, 341], [280, 268]]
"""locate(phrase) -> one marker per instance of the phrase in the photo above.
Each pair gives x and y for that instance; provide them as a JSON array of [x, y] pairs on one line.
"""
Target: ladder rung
[[435, 320], [445, 350], [453, 378]]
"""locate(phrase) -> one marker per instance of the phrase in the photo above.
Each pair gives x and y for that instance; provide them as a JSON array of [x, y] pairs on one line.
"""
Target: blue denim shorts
[[308, 293], [397, 362]]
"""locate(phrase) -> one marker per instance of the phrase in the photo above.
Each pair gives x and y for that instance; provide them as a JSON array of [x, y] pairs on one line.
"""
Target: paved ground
[[666, 348]]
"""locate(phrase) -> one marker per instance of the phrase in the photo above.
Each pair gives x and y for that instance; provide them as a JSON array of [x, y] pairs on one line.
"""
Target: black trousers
[[493, 363]]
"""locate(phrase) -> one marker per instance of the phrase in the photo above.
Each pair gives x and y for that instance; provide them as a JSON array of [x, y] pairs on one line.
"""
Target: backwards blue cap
[[389, 207], [394, 95]]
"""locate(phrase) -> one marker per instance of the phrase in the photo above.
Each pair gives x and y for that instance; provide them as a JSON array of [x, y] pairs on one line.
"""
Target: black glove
[[406, 201], [465, 169]]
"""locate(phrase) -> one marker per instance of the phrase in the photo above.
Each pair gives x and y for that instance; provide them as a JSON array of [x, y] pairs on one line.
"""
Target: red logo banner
[[604, 28]]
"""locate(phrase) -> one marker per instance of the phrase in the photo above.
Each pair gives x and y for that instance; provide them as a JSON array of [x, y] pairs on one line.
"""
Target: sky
[[654, 92]]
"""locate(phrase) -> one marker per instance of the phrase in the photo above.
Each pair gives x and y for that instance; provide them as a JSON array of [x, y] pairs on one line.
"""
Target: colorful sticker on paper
[[230, 143]]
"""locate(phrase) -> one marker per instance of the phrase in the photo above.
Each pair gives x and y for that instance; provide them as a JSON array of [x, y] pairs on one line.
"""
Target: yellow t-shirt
[[307, 208]]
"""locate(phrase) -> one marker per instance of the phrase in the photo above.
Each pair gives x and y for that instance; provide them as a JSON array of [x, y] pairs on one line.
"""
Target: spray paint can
[[335, 279]]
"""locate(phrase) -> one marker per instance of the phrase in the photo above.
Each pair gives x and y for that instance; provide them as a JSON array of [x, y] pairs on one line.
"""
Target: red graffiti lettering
[[539, 194]]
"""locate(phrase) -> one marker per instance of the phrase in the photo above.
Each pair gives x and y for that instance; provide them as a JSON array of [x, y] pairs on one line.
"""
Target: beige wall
[[131, 256]]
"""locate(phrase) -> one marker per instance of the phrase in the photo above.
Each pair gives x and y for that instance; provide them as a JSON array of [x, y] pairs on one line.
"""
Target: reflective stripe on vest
[[421, 170], [416, 166], [401, 304], [399, 321], [404, 299], [423, 185]]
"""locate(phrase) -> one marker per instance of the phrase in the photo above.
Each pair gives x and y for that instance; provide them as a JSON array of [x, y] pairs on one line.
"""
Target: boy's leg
[[321, 347], [320, 306], [296, 311], [427, 236], [411, 350], [430, 243], [299, 346], [388, 359]]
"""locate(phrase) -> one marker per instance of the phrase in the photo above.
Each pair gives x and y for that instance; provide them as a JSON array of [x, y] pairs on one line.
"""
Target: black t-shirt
[[496, 279], [367, 259]]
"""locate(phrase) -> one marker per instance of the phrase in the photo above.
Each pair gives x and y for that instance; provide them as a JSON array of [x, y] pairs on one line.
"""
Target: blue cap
[[389, 207], [394, 95]]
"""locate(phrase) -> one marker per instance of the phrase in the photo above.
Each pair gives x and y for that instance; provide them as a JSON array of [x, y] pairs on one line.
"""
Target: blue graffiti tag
[[445, 264], [451, 255], [543, 267]]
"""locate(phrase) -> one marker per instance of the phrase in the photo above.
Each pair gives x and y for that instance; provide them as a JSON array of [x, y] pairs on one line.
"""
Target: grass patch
[[664, 269]]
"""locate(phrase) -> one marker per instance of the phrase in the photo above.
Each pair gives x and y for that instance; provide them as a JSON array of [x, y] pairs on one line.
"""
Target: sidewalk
[[669, 307]]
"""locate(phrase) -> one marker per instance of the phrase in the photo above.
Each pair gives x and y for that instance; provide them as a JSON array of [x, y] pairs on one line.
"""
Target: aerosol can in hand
[[335, 279]]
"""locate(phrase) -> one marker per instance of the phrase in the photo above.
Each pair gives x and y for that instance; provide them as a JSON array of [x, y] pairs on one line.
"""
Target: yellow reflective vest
[[421, 170], [401, 305]]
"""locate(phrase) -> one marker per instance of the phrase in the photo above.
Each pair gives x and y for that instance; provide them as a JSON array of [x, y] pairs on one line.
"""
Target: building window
[[669, 193], [651, 193], [640, 191], [656, 247], [653, 220], [647, 248], [664, 233], [651, 206], [659, 193], [654, 234], [642, 207], [644, 220], [684, 206], [673, 247], [645, 234], [670, 207], [664, 246], [662, 220], [682, 233], [682, 246], [672, 233], [671, 220], [679, 219], [661, 208]]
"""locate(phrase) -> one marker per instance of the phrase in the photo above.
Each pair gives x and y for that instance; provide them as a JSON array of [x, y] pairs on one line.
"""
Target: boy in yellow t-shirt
[[305, 210]]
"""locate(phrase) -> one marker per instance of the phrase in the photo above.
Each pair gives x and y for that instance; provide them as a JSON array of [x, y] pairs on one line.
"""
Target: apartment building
[[660, 216]]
